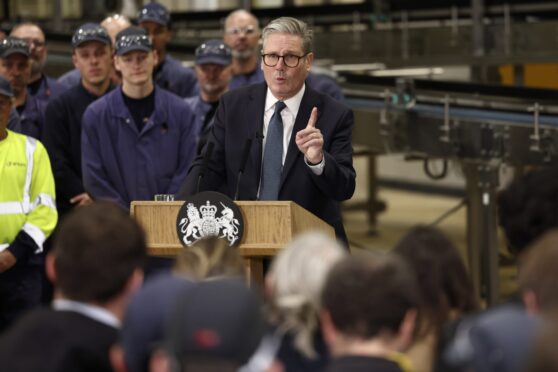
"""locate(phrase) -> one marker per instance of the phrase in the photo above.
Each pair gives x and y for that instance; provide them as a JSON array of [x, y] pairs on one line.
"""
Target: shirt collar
[[91, 311], [292, 103]]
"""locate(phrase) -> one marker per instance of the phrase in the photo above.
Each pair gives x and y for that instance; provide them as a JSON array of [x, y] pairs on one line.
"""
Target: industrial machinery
[[481, 127]]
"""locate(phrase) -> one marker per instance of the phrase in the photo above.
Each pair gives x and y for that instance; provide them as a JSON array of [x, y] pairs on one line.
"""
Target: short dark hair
[[442, 279], [96, 250], [528, 207], [366, 295]]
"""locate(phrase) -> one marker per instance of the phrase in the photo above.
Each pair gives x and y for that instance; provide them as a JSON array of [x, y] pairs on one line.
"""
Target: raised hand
[[310, 140]]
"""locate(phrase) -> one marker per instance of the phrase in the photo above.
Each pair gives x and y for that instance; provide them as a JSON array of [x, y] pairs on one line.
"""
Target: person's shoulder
[[66, 96], [177, 66], [246, 91], [171, 99]]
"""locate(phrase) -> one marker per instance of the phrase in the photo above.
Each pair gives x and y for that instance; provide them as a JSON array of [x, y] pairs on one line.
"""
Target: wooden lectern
[[268, 227]]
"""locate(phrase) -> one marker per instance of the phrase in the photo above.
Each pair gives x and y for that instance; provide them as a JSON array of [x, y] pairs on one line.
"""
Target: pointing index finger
[[313, 118]]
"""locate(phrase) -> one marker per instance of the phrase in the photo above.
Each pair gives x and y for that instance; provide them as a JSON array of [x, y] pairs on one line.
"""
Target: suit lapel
[[309, 100]]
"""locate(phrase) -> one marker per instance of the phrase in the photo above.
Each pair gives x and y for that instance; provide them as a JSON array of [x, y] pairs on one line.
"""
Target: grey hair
[[292, 26], [296, 280]]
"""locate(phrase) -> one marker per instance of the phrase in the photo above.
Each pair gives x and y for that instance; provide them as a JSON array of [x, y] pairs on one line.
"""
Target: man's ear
[[530, 301], [116, 356], [50, 267], [74, 59], [155, 57], [159, 361], [328, 328], [116, 63], [407, 329]]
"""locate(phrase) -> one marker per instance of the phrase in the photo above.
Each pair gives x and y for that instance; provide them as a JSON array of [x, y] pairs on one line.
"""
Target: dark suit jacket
[[47, 340], [240, 117]]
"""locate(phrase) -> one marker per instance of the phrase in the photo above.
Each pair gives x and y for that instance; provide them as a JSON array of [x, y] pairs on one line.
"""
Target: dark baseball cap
[[90, 32], [218, 320], [213, 51], [143, 325], [133, 38], [5, 87], [13, 45], [154, 12]]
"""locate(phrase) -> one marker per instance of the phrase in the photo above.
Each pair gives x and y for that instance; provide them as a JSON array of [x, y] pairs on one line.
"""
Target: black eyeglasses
[[86, 34], [248, 30], [126, 41], [206, 49], [290, 60]]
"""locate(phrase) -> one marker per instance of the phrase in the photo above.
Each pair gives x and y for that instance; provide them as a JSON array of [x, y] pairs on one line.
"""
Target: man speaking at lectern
[[280, 140]]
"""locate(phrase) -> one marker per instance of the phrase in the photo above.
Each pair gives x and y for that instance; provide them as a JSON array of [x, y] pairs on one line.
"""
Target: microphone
[[205, 162], [243, 160]]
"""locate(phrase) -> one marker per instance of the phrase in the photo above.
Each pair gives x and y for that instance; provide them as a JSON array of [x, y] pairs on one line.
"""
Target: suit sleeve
[[95, 178], [57, 141], [187, 150], [338, 178]]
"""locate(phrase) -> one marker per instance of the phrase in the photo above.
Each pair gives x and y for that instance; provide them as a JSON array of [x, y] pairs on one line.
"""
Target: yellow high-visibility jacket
[[27, 199]]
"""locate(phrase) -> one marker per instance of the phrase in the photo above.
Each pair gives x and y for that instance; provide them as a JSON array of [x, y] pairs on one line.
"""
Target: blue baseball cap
[[13, 45], [5, 87], [133, 38], [90, 32], [213, 51], [154, 12]]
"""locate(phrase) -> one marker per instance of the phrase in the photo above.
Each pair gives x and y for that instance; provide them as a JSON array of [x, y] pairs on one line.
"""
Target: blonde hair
[[209, 258], [296, 279]]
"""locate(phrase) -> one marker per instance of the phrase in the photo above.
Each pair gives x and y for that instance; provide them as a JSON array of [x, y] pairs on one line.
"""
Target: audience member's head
[[217, 326], [213, 69], [444, 285], [135, 57], [209, 258], [144, 322], [295, 283], [242, 34], [15, 64], [538, 277], [369, 301], [528, 207], [114, 24], [35, 38], [92, 54], [98, 256], [155, 19]]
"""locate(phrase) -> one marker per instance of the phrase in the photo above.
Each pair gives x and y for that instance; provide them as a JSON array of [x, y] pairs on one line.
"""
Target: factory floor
[[406, 209]]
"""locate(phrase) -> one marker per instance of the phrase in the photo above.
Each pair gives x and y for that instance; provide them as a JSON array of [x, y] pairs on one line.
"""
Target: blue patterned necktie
[[273, 156]]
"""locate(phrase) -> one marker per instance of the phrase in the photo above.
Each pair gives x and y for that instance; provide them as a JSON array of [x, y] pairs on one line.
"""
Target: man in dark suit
[[300, 139], [96, 266]]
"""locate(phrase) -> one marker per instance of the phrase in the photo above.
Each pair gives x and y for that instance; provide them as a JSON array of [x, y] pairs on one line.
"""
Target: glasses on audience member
[[82, 34], [248, 30], [290, 60]]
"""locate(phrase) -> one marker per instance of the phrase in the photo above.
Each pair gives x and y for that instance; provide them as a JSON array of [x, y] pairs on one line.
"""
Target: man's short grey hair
[[292, 26]]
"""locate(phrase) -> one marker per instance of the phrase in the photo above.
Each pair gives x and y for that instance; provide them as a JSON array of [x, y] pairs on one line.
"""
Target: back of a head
[[368, 296], [296, 280], [443, 281], [538, 272], [528, 207], [96, 250], [210, 257], [219, 323]]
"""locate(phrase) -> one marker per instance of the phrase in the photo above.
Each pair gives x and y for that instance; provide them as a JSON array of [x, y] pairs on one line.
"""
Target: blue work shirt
[[200, 109], [321, 82], [172, 76], [121, 164], [70, 79], [45, 89], [31, 119]]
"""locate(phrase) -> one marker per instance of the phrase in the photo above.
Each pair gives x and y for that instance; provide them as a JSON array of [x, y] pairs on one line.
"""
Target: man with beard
[[15, 66], [242, 34], [40, 86], [214, 71], [92, 56]]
